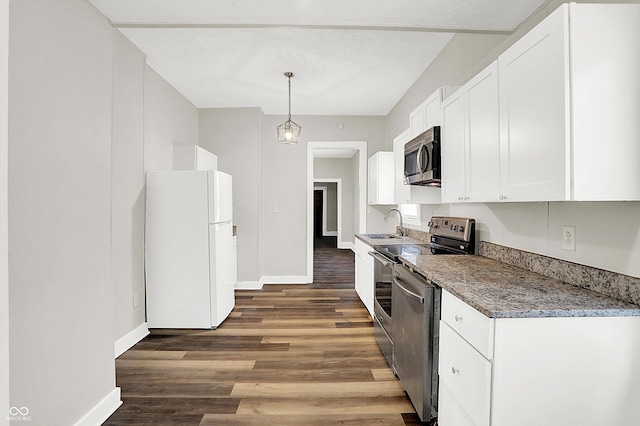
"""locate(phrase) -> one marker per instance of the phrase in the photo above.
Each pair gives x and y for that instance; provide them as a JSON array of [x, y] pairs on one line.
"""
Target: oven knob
[[454, 227], [434, 225], [461, 228]]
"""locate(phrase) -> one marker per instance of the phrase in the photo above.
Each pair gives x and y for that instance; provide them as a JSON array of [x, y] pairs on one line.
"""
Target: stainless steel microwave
[[422, 159]]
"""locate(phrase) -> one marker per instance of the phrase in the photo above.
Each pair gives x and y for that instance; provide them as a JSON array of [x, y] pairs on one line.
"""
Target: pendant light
[[289, 132]]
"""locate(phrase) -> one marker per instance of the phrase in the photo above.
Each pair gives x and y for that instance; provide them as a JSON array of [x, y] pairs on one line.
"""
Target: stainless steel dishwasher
[[416, 316]]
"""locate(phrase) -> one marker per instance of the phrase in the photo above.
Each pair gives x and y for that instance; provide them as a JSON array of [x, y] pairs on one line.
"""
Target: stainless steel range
[[409, 337], [385, 257]]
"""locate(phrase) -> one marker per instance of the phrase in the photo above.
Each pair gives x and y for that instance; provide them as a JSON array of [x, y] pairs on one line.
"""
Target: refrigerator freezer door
[[220, 197], [177, 250], [221, 271]]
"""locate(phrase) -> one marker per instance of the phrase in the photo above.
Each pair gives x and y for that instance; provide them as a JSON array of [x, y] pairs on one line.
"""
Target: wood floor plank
[[141, 354], [200, 365], [317, 390], [360, 405], [282, 332], [289, 354], [324, 419]]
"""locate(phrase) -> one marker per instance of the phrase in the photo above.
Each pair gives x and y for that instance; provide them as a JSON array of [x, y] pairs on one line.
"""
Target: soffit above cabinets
[[350, 57]]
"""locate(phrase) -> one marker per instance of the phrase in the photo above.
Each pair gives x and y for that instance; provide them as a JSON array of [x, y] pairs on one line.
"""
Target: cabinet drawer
[[465, 380], [473, 326]]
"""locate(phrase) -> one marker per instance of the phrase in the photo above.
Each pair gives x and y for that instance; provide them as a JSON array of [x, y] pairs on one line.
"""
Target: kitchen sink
[[381, 236]]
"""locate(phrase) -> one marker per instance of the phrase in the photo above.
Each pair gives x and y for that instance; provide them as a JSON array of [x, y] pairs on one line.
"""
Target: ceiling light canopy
[[289, 131]]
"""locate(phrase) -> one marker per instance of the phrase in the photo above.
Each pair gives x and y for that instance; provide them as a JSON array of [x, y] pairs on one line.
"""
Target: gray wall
[[4, 250], [88, 119], [61, 302], [283, 234], [234, 136], [127, 187], [169, 119], [270, 181], [341, 168], [534, 227]]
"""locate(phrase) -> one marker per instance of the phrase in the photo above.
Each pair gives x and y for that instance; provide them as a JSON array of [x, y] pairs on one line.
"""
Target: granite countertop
[[499, 290], [386, 241]]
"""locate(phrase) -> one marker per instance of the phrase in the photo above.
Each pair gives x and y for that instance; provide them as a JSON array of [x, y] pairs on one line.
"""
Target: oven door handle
[[380, 258], [409, 292]]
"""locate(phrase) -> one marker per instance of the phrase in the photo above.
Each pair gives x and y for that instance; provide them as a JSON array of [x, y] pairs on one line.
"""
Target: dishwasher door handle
[[380, 258], [409, 292]]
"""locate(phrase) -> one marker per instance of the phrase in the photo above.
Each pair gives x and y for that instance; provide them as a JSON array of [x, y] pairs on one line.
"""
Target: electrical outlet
[[569, 238], [135, 300]]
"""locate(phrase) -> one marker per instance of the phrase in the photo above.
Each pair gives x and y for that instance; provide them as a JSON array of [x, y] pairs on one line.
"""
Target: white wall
[[127, 187], [61, 309], [607, 234]]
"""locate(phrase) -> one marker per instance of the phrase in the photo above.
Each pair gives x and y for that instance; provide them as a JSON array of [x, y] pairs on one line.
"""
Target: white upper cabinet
[[381, 178], [402, 191], [569, 107], [482, 149], [471, 141], [534, 100], [453, 149], [605, 87]]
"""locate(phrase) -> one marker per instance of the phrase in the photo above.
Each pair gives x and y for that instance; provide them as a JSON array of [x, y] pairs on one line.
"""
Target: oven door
[[383, 326]]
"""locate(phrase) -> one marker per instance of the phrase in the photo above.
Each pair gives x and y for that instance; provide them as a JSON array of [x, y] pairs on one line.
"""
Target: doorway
[[358, 206], [327, 212]]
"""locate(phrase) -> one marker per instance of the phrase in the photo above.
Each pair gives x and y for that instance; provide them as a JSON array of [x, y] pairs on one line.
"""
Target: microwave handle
[[419, 160]]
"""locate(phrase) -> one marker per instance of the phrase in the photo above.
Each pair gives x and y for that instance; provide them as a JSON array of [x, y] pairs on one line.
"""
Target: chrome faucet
[[386, 216]]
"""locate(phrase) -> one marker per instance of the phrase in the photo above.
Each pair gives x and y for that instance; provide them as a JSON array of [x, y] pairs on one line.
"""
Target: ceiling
[[350, 57]]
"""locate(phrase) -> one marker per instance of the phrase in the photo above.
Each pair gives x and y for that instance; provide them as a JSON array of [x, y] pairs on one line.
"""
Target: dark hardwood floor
[[287, 355]]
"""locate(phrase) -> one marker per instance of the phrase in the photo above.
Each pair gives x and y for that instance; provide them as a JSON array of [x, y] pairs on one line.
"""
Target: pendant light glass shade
[[289, 131]]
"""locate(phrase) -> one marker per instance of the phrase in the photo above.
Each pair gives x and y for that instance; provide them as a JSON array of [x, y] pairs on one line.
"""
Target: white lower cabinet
[[466, 375], [536, 371], [364, 275]]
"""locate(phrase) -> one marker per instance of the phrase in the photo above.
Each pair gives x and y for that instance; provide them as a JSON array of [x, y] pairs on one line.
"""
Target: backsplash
[[416, 234], [619, 286]]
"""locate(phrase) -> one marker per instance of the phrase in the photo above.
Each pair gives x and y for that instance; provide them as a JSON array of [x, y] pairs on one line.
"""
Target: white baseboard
[[297, 279], [248, 285], [330, 234], [124, 343], [347, 245], [272, 279], [101, 412]]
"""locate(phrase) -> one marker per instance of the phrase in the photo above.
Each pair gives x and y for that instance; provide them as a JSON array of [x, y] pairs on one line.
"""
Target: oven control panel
[[455, 227]]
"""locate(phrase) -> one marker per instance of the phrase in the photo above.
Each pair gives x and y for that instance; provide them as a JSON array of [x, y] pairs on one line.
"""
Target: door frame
[[360, 185]]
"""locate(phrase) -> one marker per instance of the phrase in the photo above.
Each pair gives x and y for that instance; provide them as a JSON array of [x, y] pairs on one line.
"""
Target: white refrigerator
[[189, 256]]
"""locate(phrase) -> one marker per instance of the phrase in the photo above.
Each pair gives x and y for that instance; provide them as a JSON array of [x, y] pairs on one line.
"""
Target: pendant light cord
[[289, 77]]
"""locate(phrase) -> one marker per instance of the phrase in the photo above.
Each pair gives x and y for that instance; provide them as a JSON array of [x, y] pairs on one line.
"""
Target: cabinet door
[[482, 136], [534, 111], [364, 275], [381, 178], [453, 149], [372, 173], [416, 121], [402, 191], [432, 110], [605, 94], [465, 381]]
